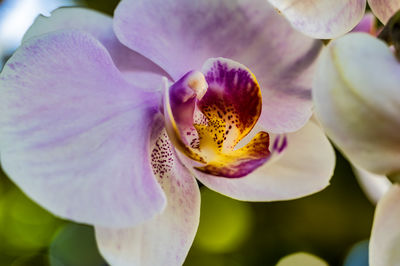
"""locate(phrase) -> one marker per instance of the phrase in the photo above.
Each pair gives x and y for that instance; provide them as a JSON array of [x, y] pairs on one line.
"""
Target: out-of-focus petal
[[368, 24], [181, 35], [358, 102], [304, 167], [384, 245], [384, 9], [74, 134], [136, 68], [166, 239], [322, 19], [374, 186]]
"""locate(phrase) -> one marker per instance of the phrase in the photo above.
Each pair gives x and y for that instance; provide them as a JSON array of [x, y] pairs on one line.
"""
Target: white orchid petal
[[384, 9], [374, 186], [384, 245], [357, 100], [323, 19]]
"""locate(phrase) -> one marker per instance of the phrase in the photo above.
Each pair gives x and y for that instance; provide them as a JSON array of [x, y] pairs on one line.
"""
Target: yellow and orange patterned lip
[[207, 113]]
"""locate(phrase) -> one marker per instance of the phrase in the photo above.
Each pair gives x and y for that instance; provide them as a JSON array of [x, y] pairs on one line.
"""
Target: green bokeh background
[[232, 233]]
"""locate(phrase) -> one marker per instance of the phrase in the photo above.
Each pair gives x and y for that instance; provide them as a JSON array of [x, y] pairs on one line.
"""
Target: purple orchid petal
[[166, 239], [384, 244], [74, 134], [322, 19], [384, 9], [181, 35], [137, 69], [304, 167]]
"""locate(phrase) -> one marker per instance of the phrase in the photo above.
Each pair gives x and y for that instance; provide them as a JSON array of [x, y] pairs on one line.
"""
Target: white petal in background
[[357, 100], [166, 239], [384, 247], [384, 9], [374, 186], [74, 134], [305, 167], [322, 19]]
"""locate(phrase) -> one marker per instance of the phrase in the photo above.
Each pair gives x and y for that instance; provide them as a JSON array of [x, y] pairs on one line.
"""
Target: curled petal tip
[[197, 82]]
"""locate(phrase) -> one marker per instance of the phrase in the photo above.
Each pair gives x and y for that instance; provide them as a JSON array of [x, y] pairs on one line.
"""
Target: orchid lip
[[207, 113]]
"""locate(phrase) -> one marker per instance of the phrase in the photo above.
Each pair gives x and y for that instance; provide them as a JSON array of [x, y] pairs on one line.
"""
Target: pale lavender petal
[[384, 245], [357, 100], [384, 9], [166, 239], [374, 186], [322, 19], [181, 35], [304, 166], [136, 68], [74, 134]]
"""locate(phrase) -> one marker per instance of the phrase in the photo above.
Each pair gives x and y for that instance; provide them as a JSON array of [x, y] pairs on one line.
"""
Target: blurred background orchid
[[358, 74], [327, 19]]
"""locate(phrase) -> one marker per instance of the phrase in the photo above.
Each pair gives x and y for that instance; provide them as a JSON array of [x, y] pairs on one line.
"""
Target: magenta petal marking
[[280, 143], [233, 90]]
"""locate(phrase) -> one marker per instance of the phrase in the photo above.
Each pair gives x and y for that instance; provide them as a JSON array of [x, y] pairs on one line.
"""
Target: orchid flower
[[108, 121], [357, 99], [327, 19]]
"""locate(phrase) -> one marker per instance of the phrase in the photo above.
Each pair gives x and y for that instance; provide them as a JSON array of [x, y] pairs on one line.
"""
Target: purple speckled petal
[[384, 9], [322, 19], [304, 167], [166, 239], [358, 103], [181, 35], [135, 68], [384, 245], [74, 134]]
